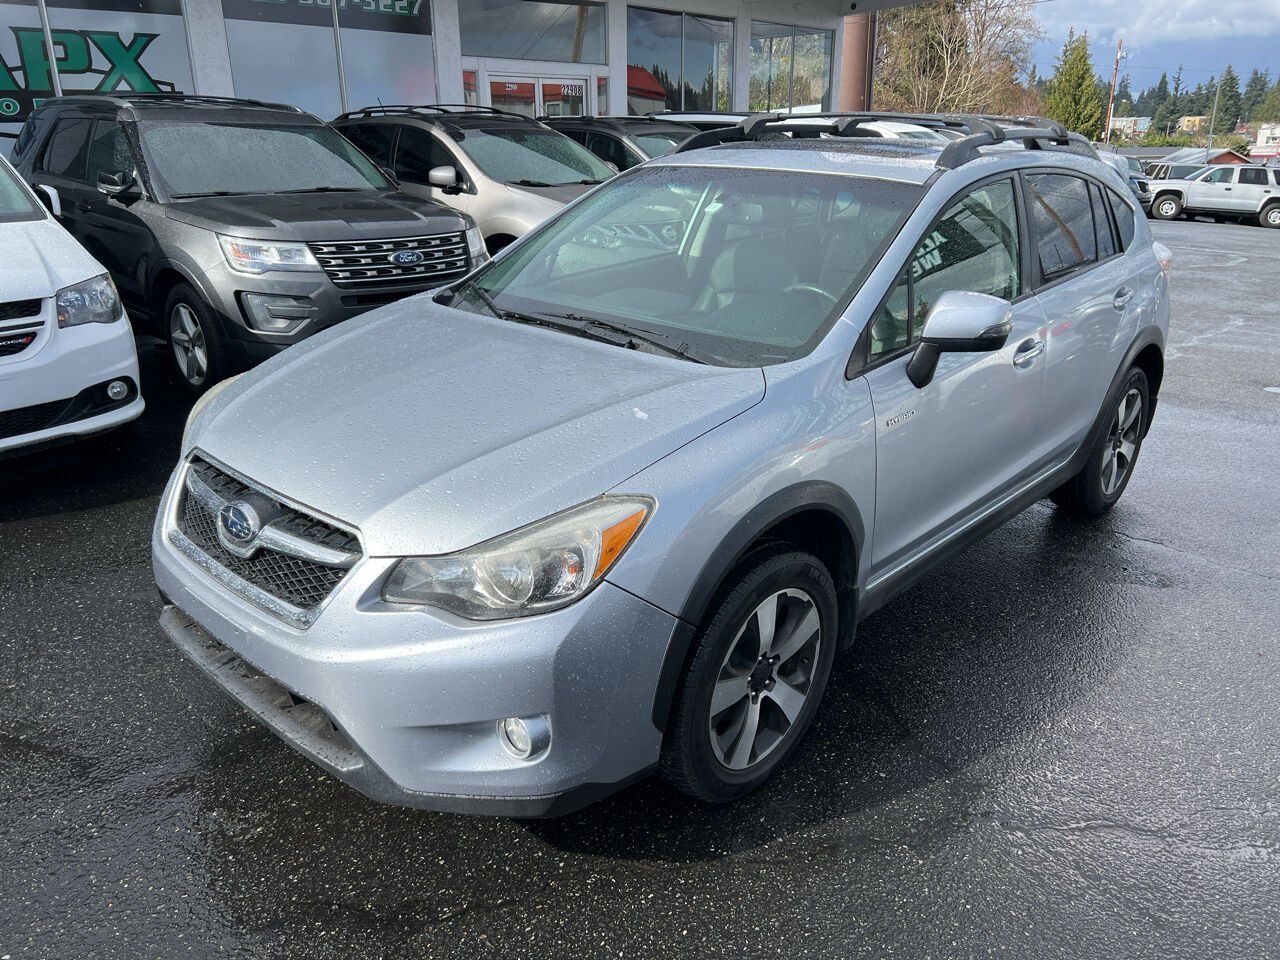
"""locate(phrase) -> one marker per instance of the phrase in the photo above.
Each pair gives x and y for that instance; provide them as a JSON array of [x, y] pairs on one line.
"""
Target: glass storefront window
[[571, 31], [386, 52], [678, 61], [470, 87], [602, 96], [790, 68]]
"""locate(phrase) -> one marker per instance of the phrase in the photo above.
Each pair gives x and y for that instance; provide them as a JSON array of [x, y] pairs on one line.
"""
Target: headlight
[[261, 256], [203, 402], [541, 567], [476, 248], [93, 301]]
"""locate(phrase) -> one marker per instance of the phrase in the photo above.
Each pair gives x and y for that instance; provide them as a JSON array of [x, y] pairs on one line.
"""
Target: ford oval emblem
[[238, 522], [407, 258]]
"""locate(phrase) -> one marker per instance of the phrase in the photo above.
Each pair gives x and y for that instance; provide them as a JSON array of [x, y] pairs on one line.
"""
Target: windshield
[[202, 159], [534, 156], [742, 267], [15, 201], [659, 144]]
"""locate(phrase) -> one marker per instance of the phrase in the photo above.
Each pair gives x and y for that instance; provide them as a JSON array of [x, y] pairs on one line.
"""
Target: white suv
[[68, 366], [1224, 190]]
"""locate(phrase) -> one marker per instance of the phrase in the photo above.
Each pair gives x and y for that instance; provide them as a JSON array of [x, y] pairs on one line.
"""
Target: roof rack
[[133, 99], [428, 111], [980, 130]]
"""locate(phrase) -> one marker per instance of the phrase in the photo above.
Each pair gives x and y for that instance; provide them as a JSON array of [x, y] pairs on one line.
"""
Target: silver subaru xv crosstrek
[[611, 504]]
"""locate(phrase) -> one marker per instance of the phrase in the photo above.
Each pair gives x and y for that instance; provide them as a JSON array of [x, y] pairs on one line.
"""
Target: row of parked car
[[1249, 193], [232, 229]]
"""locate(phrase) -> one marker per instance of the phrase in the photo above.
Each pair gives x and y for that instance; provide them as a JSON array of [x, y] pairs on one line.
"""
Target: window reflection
[[565, 30], [678, 61], [790, 68]]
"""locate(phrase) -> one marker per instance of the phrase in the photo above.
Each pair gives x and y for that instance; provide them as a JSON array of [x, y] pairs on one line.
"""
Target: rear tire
[[1167, 207], [1270, 216], [196, 344], [757, 671], [1103, 478]]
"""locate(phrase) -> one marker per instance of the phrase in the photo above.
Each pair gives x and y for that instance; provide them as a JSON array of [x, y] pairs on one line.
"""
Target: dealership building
[[553, 57]]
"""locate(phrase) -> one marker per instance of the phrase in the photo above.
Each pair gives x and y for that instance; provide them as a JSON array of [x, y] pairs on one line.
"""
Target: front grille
[[368, 263], [17, 309], [296, 581], [41, 416], [13, 344]]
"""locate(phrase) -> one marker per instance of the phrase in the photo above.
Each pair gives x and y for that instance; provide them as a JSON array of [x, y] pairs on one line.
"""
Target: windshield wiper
[[627, 336], [325, 190], [207, 193], [534, 183]]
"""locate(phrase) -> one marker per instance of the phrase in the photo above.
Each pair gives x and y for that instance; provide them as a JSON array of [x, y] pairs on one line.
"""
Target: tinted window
[[1276, 175], [418, 153], [747, 267], [609, 149], [374, 140], [1256, 177], [1063, 221], [1102, 224], [1124, 218], [64, 155], [108, 151]]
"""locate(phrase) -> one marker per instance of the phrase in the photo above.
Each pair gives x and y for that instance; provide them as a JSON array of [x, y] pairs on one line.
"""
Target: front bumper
[[414, 697]]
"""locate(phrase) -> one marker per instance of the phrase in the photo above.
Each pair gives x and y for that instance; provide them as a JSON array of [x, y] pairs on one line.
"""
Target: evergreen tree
[[1269, 110], [1176, 92], [1229, 102], [1124, 97], [1255, 91], [1073, 98]]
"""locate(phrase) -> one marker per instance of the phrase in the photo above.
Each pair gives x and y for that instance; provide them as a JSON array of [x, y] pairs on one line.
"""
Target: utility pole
[[1213, 120], [1115, 75]]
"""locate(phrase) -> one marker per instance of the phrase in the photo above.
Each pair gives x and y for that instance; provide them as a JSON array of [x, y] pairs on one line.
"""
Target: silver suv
[[1223, 191], [507, 171], [610, 505]]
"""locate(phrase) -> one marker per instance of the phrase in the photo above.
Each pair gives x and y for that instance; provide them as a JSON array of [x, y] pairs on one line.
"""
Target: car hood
[[318, 216], [559, 195], [40, 258], [431, 429]]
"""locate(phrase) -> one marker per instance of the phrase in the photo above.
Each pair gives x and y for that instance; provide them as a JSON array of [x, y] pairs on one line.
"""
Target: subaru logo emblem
[[238, 523], [407, 258]]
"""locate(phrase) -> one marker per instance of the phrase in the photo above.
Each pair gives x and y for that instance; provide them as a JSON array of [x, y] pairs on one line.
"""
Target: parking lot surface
[[1061, 744]]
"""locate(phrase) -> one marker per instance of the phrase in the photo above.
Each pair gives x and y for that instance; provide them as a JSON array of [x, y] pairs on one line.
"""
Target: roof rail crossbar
[[163, 97], [428, 111]]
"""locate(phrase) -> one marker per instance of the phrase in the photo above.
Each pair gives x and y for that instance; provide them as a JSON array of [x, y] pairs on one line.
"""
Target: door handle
[[83, 206], [1027, 351], [1122, 297]]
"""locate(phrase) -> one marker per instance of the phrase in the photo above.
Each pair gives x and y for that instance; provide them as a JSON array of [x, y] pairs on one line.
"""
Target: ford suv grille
[[403, 261], [294, 558]]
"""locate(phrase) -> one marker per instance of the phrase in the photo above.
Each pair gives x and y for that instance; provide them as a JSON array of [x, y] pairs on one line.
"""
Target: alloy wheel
[[765, 679], [1168, 208], [1273, 216], [1122, 442], [189, 349]]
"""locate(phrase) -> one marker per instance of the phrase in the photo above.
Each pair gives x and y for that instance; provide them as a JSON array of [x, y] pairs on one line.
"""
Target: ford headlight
[[92, 301], [541, 567], [263, 256]]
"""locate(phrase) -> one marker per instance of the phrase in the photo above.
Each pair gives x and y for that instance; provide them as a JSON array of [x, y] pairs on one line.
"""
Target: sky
[[1202, 35]]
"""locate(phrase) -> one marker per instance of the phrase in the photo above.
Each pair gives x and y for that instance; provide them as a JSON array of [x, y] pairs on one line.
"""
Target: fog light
[[117, 390], [274, 313], [524, 737]]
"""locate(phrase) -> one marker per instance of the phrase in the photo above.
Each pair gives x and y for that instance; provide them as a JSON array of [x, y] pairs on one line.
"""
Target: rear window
[[1062, 217], [1124, 216], [1256, 177]]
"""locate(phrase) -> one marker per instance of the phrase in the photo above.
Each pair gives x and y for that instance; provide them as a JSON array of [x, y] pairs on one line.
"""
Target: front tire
[[1167, 207], [759, 667], [1103, 478], [196, 344], [1270, 217]]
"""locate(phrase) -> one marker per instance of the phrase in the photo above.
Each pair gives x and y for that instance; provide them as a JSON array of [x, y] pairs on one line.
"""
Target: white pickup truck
[[1239, 191], [68, 365]]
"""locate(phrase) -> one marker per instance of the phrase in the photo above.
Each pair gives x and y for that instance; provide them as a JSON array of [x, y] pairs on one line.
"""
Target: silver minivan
[[507, 171], [608, 507]]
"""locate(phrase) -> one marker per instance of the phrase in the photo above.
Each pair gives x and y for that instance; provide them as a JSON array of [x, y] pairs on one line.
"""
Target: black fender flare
[[808, 495]]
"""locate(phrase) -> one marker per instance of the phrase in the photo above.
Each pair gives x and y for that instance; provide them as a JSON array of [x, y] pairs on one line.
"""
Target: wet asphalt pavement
[[1065, 743]]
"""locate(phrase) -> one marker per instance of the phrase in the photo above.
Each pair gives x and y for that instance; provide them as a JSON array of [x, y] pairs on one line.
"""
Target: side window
[[1255, 176], [418, 152], [64, 155], [108, 151], [26, 136], [609, 149], [974, 246], [1275, 174], [1124, 216], [374, 141], [1063, 220], [1106, 239], [1221, 175]]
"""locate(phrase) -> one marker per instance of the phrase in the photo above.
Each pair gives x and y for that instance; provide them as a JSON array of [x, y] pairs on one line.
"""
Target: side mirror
[[49, 197], [116, 184], [446, 178], [960, 322]]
